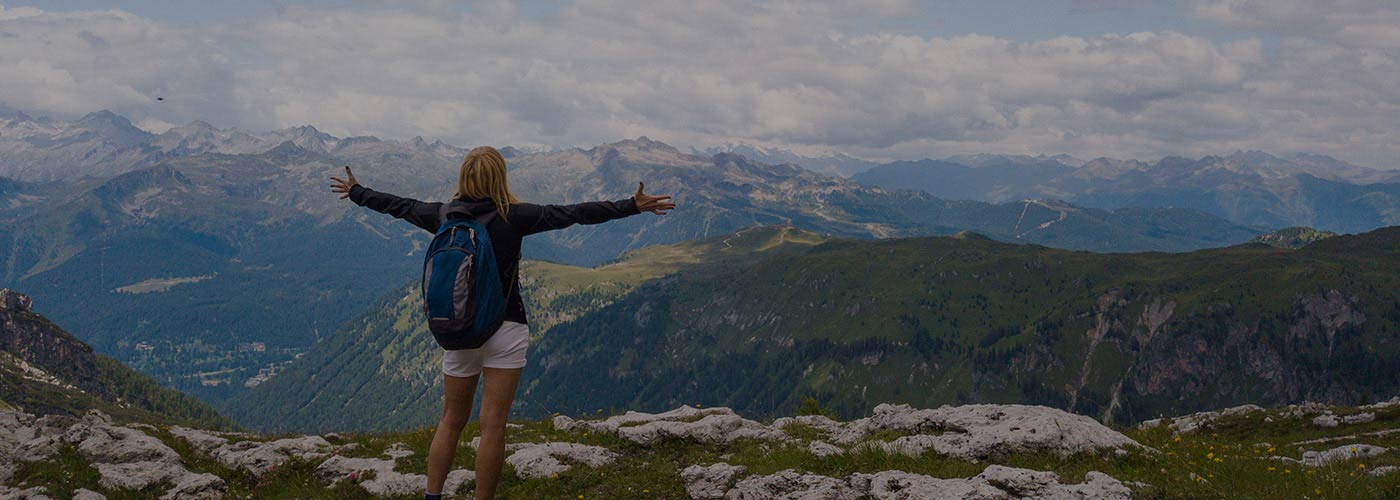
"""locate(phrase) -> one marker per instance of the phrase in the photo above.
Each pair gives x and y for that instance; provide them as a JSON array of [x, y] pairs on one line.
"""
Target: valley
[[762, 319]]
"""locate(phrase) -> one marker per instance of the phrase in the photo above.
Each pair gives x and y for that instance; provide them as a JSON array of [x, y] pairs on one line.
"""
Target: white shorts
[[505, 349]]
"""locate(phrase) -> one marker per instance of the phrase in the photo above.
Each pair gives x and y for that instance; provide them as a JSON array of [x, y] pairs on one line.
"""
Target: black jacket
[[523, 220]]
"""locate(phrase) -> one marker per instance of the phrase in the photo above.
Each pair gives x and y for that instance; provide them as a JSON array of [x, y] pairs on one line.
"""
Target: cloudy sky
[[882, 78]]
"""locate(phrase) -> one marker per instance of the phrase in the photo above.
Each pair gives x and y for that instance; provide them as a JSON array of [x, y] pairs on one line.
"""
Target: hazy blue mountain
[[1252, 187], [835, 163]]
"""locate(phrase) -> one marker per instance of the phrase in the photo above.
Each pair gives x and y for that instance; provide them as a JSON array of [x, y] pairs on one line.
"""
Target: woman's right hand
[[343, 185]]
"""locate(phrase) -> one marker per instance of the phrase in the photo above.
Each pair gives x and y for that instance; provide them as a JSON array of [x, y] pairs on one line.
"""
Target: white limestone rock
[[102, 442], [822, 449], [1191, 423], [1340, 453], [899, 485], [1383, 470], [791, 485], [1023, 483], [534, 461], [819, 422], [35, 493], [994, 483], [1303, 410], [382, 479], [202, 486], [709, 482], [137, 475], [612, 424], [980, 431], [1326, 421], [256, 457], [202, 440], [1359, 418], [396, 451], [1394, 401], [714, 428], [86, 494]]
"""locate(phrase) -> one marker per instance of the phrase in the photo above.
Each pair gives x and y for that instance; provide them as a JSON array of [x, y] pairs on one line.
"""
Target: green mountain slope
[[45, 370], [937, 320], [381, 371], [925, 321]]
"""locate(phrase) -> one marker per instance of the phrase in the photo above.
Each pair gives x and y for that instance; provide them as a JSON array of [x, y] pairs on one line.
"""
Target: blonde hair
[[483, 176]]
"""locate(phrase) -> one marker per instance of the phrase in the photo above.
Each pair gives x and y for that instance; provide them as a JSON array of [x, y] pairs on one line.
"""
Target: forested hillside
[[764, 318], [45, 370], [381, 371]]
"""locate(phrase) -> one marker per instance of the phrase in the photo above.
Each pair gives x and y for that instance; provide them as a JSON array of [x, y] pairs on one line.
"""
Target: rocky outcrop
[[125, 457], [38, 342], [1340, 454], [1193, 422], [994, 483], [613, 423], [536, 461], [709, 482], [378, 477], [255, 456], [971, 431], [714, 425], [975, 431]]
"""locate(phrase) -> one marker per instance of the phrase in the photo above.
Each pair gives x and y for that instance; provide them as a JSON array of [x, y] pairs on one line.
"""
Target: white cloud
[[78, 62], [795, 73]]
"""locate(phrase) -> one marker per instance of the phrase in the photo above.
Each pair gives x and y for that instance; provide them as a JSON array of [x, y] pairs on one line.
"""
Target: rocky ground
[[898, 452]]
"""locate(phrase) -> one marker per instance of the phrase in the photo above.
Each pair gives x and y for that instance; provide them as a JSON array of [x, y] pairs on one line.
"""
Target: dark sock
[[432, 496]]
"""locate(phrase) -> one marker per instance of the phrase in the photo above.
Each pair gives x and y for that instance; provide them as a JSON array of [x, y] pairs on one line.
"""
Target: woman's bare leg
[[496, 398], [457, 393]]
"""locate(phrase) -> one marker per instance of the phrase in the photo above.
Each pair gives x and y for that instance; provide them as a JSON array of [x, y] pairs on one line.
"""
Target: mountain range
[[1251, 187], [763, 318], [830, 163], [209, 258]]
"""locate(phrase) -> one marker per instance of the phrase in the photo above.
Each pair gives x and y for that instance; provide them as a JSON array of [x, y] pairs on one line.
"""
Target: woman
[[481, 184]]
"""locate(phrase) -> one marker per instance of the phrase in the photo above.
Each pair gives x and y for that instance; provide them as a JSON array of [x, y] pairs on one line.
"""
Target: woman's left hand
[[654, 204], [344, 185]]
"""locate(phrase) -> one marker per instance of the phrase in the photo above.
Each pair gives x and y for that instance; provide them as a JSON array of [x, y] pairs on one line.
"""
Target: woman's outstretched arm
[[529, 218], [423, 215]]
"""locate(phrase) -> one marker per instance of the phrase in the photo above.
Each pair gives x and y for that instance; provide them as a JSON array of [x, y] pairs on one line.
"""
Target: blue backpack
[[462, 293]]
